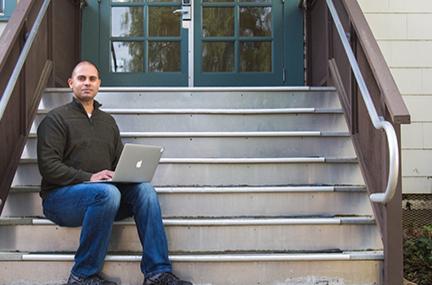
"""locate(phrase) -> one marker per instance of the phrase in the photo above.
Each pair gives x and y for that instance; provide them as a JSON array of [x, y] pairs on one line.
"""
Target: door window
[[145, 36]]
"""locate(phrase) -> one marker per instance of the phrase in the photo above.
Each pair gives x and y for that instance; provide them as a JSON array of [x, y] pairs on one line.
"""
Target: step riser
[[218, 100], [209, 273], [228, 204], [201, 238], [240, 147], [234, 174], [226, 123]]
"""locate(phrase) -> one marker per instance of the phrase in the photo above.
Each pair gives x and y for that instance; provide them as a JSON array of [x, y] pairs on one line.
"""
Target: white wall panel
[[412, 136], [396, 6], [417, 185], [409, 6], [419, 26], [427, 135], [414, 54], [420, 108], [374, 5], [427, 80], [388, 26], [408, 80], [417, 162]]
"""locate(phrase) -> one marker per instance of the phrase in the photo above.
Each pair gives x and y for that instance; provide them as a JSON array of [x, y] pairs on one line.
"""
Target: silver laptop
[[137, 163]]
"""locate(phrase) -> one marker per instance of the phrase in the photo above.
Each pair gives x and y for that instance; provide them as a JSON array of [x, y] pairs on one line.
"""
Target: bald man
[[78, 143]]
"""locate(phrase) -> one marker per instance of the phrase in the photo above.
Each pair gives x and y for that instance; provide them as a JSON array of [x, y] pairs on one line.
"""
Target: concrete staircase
[[257, 186]]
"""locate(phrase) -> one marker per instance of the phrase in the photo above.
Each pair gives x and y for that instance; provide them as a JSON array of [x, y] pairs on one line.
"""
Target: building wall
[[403, 31]]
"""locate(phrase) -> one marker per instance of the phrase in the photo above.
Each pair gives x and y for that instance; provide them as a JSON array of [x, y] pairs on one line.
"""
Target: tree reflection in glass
[[164, 56], [124, 22], [127, 56], [218, 21], [218, 57], [255, 56], [162, 21], [255, 21]]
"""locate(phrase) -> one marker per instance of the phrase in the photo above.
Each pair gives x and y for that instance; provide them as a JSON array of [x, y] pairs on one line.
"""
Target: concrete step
[[186, 98], [225, 120], [236, 171], [347, 268], [306, 200], [236, 144], [206, 235]]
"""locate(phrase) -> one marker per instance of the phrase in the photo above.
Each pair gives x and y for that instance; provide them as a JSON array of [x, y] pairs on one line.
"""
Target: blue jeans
[[95, 206]]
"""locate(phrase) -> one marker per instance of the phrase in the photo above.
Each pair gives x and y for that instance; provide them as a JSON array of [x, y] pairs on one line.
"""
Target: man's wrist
[[84, 176]]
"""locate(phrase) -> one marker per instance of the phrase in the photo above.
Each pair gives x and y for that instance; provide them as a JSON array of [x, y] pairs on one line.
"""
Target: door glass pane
[[255, 21], [257, 1], [127, 1], [164, 56], [255, 56], [127, 21], [169, 1], [214, 1], [162, 21], [127, 57], [218, 21], [218, 56]]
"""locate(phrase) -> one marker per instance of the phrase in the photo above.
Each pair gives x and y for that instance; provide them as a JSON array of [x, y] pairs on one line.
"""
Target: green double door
[[194, 42]]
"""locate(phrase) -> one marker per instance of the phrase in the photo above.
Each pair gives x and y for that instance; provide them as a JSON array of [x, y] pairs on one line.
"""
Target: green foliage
[[418, 255]]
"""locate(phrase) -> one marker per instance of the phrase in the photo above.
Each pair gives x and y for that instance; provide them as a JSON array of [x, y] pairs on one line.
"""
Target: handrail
[[378, 122], [397, 110], [4, 100]]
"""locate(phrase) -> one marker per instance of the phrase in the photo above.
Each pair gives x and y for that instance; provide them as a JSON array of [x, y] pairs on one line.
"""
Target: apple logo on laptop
[[139, 164]]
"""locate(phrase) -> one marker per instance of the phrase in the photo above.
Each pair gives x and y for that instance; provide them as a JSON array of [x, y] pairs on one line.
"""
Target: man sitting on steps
[[78, 142]]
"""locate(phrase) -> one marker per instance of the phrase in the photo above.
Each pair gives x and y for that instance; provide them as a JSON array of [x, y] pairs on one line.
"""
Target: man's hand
[[102, 175]]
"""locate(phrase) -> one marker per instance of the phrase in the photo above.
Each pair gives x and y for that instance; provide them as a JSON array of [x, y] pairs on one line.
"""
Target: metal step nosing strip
[[218, 111], [227, 134], [224, 134], [240, 222], [228, 190], [278, 160], [222, 190], [201, 89], [198, 111], [242, 160], [251, 222], [219, 257], [255, 160], [233, 190]]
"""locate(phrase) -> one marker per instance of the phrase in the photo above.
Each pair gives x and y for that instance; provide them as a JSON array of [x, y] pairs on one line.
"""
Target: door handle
[[185, 12], [180, 11]]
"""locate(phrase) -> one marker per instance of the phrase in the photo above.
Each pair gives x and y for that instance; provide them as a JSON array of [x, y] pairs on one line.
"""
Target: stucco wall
[[403, 31]]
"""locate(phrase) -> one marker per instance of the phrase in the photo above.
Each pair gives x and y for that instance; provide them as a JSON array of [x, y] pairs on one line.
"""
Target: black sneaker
[[165, 278], [93, 280]]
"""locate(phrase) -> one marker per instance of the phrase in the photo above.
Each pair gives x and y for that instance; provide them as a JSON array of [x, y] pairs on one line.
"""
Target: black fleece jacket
[[71, 146]]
